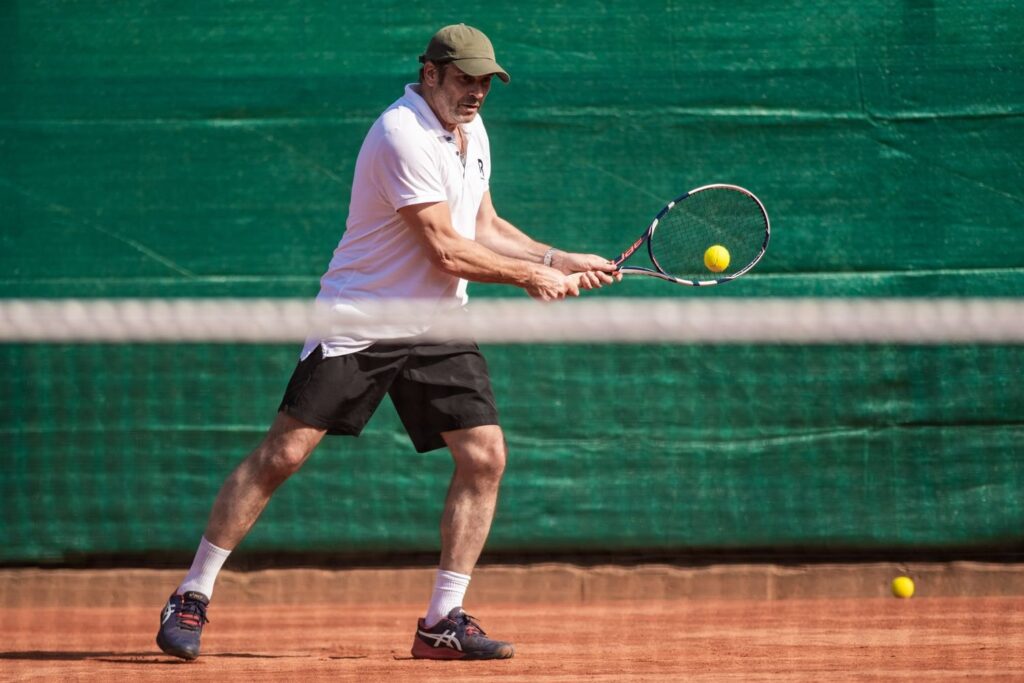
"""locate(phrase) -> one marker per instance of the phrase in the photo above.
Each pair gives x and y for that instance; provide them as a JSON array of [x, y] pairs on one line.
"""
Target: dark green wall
[[194, 149], [156, 148]]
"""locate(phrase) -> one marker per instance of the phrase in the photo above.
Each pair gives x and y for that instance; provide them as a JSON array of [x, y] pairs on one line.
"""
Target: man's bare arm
[[454, 254], [502, 237]]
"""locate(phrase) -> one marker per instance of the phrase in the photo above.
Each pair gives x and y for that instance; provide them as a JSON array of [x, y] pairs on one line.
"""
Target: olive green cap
[[466, 47]]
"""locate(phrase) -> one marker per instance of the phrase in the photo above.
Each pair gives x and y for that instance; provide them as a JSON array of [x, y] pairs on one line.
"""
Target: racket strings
[[716, 216]]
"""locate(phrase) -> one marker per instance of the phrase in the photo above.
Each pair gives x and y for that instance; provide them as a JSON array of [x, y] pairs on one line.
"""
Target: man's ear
[[430, 73]]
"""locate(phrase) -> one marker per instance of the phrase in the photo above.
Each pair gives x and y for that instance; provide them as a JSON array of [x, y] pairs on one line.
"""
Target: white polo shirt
[[407, 158]]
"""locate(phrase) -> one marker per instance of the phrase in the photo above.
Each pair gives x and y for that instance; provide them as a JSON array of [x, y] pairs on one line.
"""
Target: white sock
[[449, 591], [205, 567]]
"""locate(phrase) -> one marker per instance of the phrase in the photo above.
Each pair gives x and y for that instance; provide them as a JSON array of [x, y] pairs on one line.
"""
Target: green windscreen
[[121, 449], [189, 150]]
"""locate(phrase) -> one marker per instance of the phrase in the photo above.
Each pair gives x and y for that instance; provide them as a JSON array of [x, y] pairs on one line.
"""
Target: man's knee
[[277, 461], [489, 462], [285, 448], [480, 452]]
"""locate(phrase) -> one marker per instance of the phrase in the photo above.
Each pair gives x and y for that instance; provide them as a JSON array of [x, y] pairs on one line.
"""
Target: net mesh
[[815, 426], [596, 320], [717, 216]]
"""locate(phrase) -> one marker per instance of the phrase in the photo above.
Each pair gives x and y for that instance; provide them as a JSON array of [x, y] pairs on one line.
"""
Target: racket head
[[717, 214]]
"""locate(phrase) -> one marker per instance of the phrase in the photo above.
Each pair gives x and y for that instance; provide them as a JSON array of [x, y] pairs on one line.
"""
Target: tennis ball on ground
[[902, 587], [716, 258]]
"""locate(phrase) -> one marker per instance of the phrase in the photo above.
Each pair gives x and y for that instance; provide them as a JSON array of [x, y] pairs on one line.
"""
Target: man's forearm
[[506, 239], [480, 262], [461, 257]]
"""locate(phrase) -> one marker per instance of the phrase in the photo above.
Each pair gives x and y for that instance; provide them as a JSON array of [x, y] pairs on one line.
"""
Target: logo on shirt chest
[[480, 163]]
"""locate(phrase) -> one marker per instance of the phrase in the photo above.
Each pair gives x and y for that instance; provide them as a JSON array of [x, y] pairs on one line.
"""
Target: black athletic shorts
[[435, 388]]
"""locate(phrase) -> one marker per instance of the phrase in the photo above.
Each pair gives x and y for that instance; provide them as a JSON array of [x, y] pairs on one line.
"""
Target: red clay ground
[[559, 637]]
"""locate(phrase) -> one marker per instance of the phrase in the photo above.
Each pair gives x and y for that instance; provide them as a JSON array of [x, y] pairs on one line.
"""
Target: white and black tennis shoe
[[457, 636], [181, 624]]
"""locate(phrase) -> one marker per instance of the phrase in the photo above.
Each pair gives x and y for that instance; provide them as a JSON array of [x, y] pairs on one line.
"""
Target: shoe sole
[[421, 650], [180, 654]]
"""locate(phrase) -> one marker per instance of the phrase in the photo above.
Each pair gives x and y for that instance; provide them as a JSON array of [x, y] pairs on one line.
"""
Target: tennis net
[[521, 321], [812, 427]]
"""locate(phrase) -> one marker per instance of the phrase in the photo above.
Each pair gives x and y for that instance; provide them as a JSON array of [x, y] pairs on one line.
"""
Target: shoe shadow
[[67, 656], [133, 657]]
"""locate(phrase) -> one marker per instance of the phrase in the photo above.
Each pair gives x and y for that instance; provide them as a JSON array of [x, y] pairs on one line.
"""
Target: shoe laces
[[472, 627], [192, 615]]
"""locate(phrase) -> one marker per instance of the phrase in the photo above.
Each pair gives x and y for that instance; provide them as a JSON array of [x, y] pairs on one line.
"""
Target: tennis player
[[421, 224]]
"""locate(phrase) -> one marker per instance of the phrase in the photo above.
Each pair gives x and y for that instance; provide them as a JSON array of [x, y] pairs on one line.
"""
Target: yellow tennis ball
[[902, 587], [716, 258]]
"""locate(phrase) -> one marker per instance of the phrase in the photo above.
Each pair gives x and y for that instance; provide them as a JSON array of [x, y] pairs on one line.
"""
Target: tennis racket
[[708, 236]]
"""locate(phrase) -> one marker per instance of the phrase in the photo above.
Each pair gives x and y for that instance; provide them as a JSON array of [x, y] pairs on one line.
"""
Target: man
[[421, 223]]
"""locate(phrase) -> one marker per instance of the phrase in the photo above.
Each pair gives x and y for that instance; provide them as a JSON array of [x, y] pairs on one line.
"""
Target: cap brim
[[482, 67]]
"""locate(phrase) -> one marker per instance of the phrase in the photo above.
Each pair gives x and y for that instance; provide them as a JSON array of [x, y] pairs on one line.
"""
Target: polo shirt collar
[[412, 94]]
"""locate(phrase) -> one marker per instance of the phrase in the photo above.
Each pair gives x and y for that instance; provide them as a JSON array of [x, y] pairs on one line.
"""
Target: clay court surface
[[612, 623]]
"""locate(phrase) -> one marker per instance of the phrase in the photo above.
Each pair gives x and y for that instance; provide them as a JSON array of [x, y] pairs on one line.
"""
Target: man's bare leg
[[242, 497], [246, 492], [479, 454]]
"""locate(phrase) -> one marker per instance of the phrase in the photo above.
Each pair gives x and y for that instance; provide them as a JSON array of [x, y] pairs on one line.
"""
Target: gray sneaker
[[181, 624], [458, 636]]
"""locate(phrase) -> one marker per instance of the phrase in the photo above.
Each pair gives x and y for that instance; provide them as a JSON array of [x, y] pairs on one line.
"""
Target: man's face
[[455, 96]]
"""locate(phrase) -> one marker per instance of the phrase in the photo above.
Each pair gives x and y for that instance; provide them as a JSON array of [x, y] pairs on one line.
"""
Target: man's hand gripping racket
[[708, 236]]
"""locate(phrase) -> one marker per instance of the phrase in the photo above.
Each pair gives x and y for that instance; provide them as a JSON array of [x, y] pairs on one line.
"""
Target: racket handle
[[629, 252]]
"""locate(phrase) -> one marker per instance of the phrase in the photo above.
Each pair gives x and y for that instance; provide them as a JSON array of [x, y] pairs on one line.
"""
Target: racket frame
[[658, 272]]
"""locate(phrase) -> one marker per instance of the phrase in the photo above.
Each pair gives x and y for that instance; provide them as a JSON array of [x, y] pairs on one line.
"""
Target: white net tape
[[595, 320]]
